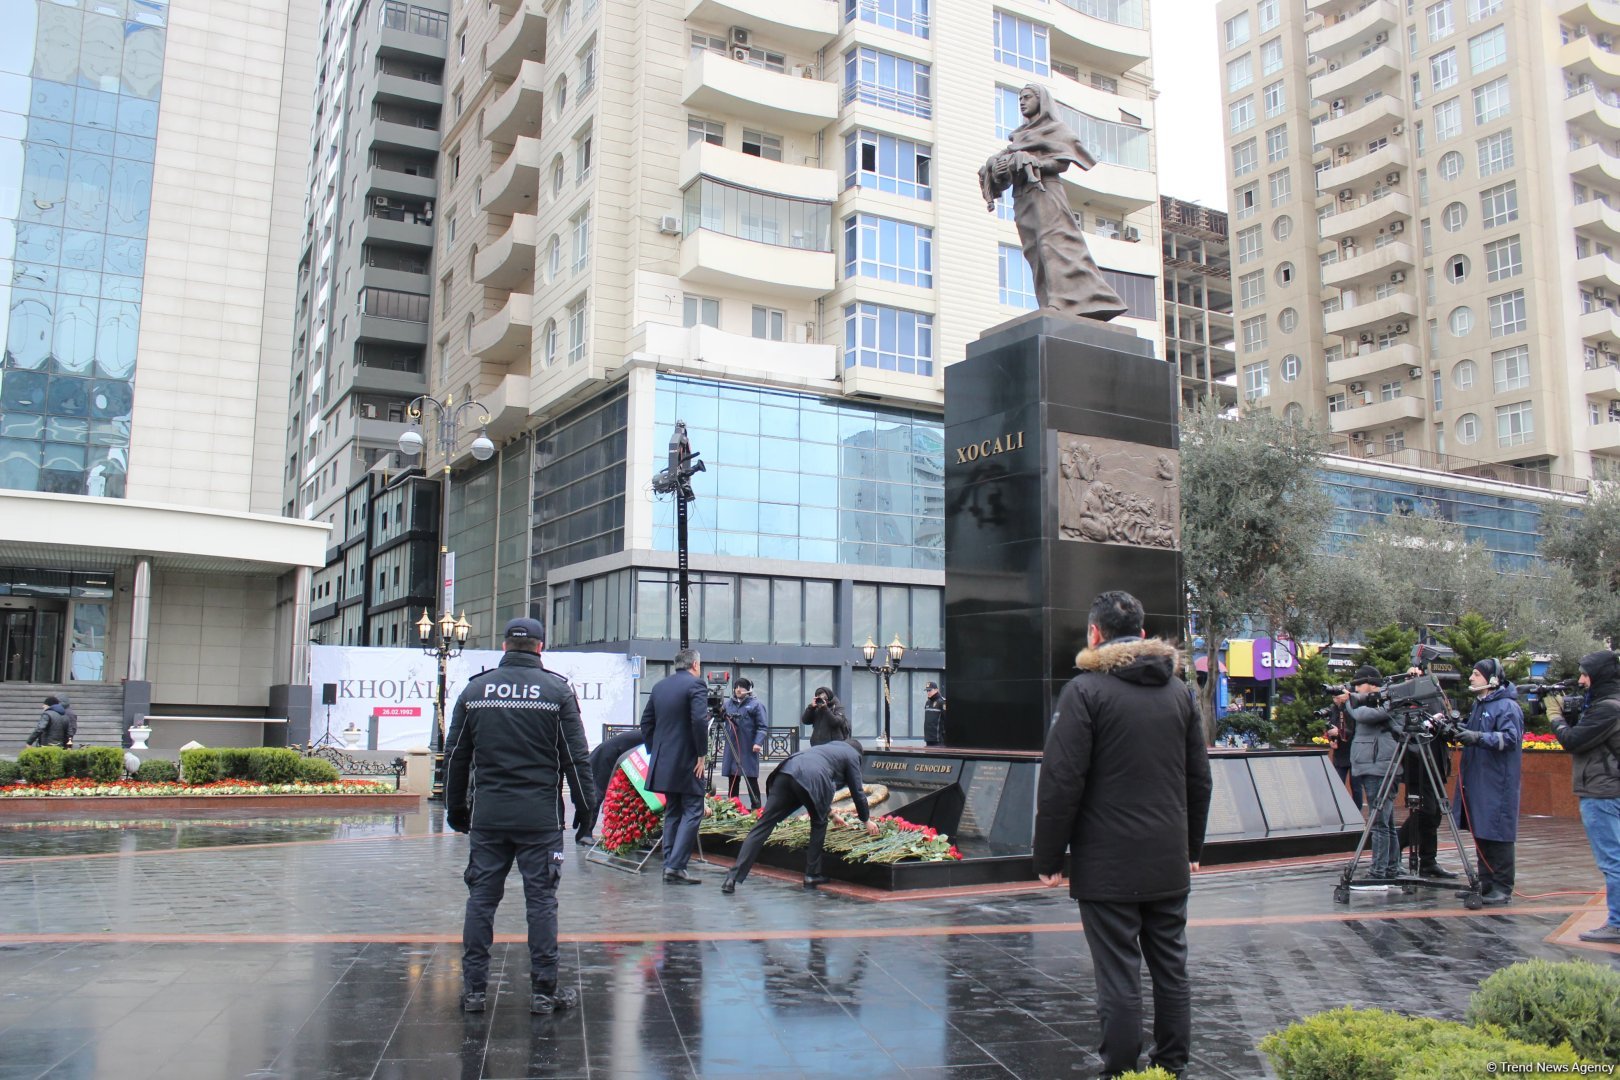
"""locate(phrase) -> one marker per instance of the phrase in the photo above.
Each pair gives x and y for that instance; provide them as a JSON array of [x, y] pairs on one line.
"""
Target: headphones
[[1492, 670]]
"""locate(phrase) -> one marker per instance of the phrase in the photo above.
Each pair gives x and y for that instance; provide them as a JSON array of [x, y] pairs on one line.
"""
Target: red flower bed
[[628, 822]]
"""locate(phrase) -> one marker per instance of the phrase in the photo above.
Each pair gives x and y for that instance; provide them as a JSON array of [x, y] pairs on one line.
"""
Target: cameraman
[[1341, 731], [825, 717], [1488, 787], [1421, 829], [1593, 741], [745, 727], [1372, 755]]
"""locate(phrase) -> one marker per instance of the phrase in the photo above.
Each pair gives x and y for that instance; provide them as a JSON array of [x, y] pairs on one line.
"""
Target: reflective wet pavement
[[328, 948]]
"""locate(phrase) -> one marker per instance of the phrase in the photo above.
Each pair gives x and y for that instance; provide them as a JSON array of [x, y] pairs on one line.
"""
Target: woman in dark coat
[[1038, 151], [746, 725], [825, 717]]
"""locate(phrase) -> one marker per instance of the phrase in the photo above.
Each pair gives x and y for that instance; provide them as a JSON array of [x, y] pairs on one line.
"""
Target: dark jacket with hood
[[515, 732], [820, 771], [1488, 781], [1594, 743], [56, 727], [1125, 780], [827, 723]]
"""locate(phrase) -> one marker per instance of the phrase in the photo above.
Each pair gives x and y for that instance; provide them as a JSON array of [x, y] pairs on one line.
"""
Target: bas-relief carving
[[1113, 492]]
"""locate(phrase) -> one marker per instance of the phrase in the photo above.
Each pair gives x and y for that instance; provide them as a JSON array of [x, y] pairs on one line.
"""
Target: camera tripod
[[1409, 883]]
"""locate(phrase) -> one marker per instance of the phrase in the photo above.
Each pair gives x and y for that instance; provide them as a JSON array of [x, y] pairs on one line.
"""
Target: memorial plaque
[[1225, 818], [911, 772], [1234, 808], [1286, 793], [983, 798]]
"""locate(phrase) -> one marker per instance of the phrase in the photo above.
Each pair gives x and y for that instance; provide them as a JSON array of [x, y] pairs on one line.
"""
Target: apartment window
[[1443, 71], [885, 163], [1237, 30], [1447, 120], [1457, 269], [1487, 50], [906, 16], [553, 258], [1502, 259], [1245, 157], [1454, 216], [576, 331], [449, 230], [769, 323], [1283, 227], [700, 311], [1411, 42], [1451, 165], [1249, 244], [1423, 198], [1287, 320], [1482, 9], [889, 339], [1285, 273], [559, 95], [1281, 187], [582, 158], [1515, 424], [457, 101], [1427, 229], [1016, 281], [1441, 22], [1336, 403], [582, 238], [1247, 201], [759, 144], [1389, 391], [559, 173], [1256, 381], [702, 43], [565, 18], [1461, 321], [1464, 374], [1252, 289], [1106, 83], [1277, 143], [1510, 368], [1241, 113], [750, 215], [550, 338], [1254, 333], [1508, 314], [887, 81], [888, 250], [1499, 205], [1468, 428], [587, 69], [1496, 153], [1437, 387], [1021, 43], [700, 130], [1492, 100], [1393, 441], [1239, 72], [1270, 14], [1289, 368], [1275, 99], [1271, 56]]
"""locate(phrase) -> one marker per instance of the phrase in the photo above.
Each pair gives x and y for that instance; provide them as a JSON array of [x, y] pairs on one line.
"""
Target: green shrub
[[41, 764], [1153, 1073], [235, 763], [314, 770], [1572, 1001], [1370, 1044], [9, 772], [73, 764], [103, 764], [199, 766], [276, 765], [157, 771]]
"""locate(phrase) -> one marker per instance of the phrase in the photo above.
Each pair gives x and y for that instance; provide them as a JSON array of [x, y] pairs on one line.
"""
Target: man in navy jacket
[[675, 727]]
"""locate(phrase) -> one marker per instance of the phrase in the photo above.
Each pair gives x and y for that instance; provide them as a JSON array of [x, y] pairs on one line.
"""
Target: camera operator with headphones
[[1372, 752], [1488, 785], [1421, 829]]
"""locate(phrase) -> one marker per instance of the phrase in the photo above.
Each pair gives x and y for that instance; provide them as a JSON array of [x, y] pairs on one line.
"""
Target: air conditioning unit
[[739, 36], [1132, 234], [1605, 350], [1354, 388], [1366, 338], [1400, 328], [1580, 31], [1333, 66], [1348, 243], [1398, 129], [380, 200], [1393, 178], [669, 225], [1605, 41], [1358, 436], [1344, 150], [1600, 294], [1346, 194], [368, 411], [1397, 226], [1414, 373], [1380, 37], [739, 53], [1338, 104], [1397, 276]]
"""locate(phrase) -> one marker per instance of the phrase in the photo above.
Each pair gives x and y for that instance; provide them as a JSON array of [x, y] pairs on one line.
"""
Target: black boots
[[546, 998]]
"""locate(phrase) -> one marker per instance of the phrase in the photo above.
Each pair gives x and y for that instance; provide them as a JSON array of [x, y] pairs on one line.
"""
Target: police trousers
[[539, 859]]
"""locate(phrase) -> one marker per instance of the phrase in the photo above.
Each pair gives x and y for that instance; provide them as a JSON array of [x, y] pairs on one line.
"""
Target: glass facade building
[[79, 94], [1507, 525]]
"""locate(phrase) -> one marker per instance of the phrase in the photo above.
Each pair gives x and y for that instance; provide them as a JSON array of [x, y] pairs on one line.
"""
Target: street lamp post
[[446, 636], [895, 653]]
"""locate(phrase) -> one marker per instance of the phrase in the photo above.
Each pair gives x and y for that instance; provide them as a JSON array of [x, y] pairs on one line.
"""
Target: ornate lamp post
[[446, 636], [896, 652]]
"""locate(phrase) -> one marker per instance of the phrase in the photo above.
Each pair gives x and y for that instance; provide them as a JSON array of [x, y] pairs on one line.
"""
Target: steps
[[100, 707]]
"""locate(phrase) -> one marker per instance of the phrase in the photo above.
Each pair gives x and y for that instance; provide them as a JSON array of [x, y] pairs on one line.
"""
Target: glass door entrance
[[30, 645]]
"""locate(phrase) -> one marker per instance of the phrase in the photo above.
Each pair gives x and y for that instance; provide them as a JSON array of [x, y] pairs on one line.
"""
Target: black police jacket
[[515, 732]]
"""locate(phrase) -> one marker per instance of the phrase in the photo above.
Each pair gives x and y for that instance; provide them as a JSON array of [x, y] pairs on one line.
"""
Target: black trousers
[[1495, 865], [783, 800], [1121, 936], [539, 859], [1421, 830], [734, 783]]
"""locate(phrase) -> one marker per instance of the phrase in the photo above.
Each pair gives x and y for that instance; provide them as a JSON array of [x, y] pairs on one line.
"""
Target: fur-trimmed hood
[[1140, 660]]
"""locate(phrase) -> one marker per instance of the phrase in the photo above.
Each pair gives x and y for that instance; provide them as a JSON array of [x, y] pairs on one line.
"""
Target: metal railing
[[1461, 466]]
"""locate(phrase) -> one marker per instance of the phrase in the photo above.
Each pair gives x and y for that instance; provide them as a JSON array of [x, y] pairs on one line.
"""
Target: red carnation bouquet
[[628, 823]]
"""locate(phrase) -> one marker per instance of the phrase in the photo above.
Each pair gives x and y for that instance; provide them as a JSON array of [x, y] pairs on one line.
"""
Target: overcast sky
[[1185, 66]]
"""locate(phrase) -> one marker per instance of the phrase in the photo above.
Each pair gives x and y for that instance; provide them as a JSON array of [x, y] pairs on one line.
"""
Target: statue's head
[[1034, 102]]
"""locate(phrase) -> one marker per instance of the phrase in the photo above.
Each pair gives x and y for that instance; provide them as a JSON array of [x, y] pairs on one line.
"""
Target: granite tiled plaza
[[329, 947]]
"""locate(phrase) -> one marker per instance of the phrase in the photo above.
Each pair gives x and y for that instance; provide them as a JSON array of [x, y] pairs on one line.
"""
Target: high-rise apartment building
[[1198, 328], [1422, 234], [151, 160], [762, 219]]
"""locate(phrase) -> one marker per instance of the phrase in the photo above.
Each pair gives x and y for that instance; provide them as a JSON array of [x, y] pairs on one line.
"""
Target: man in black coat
[[675, 726], [604, 760], [514, 736], [1125, 789], [808, 779], [57, 725]]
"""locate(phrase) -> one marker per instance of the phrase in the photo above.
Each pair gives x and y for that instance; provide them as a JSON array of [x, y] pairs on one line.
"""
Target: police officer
[[933, 715], [517, 728]]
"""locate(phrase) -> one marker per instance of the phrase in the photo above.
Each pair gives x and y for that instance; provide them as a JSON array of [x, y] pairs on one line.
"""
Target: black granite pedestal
[[1027, 548]]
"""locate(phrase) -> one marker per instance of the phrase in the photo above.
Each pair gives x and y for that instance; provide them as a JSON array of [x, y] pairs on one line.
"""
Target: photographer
[[1371, 755], [825, 717], [1488, 787], [1590, 730], [745, 727], [1341, 731], [1421, 829]]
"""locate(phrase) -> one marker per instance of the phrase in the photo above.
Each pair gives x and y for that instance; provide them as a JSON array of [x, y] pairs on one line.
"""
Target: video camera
[[719, 689], [1417, 704], [1571, 696]]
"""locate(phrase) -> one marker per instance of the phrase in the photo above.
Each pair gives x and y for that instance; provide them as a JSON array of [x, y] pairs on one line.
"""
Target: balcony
[[380, 181], [1598, 219], [508, 263], [376, 329], [1400, 308], [1108, 46], [1595, 112], [1354, 79], [1604, 438], [1329, 9], [1379, 17], [1592, 164], [1369, 362], [522, 38], [1369, 216], [719, 84], [1600, 271], [1601, 327], [1601, 382], [1591, 12], [513, 187], [1378, 414], [1377, 117], [380, 432], [387, 135], [711, 258], [1111, 185], [508, 405], [411, 46], [1129, 257], [400, 90], [381, 380], [519, 108], [507, 335], [1374, 266], [802, 27], [757, 173], [383, 277], [1583, 57], [719, 350], [409, 232], [1379, 165]]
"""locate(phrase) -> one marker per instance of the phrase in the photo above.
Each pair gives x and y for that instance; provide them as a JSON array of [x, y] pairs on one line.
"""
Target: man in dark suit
[[675, 726], [808, 779]]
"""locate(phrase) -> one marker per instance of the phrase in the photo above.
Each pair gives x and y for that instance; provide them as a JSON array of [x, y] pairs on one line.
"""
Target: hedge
[[103, 764], [9, 772], [1540, 1001], [41, 764], [158, 771], [314, 770], [1370, 1044], [265, 764]]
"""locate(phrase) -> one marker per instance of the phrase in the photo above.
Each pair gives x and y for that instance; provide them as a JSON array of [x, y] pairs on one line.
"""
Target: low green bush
[[1573, 1001], [9, 772], [157, 771], [276, 765], [41, 764], [1370, 1044], [1154, 1073], [314, 770], [235, 763], [103, 764], [199, 766]]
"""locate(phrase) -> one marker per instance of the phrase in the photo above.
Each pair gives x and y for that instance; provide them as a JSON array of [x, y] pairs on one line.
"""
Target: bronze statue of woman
[[1067, 280]]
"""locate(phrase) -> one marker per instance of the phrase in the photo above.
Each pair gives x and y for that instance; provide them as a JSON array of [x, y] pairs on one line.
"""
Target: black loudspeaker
[[329, 693]]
